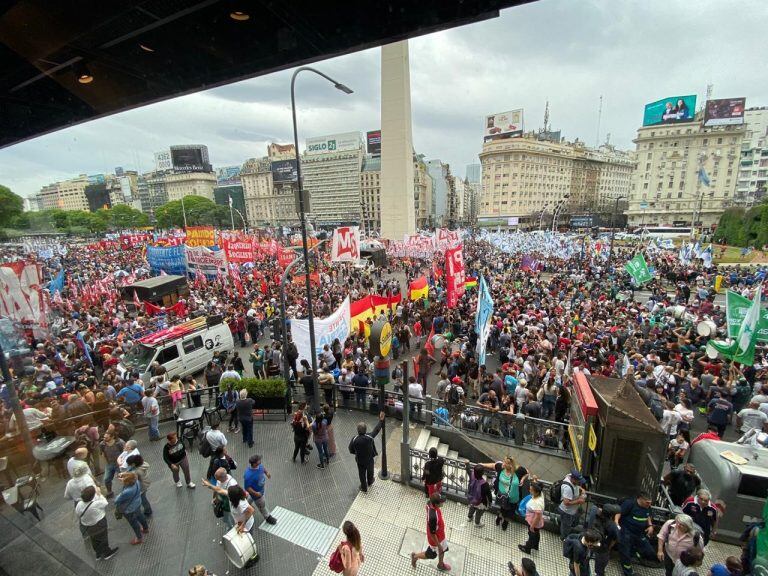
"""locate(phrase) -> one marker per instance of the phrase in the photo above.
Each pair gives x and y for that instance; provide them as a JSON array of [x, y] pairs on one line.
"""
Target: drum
[[711, 351], [678, 311], [240, 547], [438, 341], [706, 328]]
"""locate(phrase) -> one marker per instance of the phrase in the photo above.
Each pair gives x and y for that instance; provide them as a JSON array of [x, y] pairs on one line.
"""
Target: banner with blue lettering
[[169, 260]]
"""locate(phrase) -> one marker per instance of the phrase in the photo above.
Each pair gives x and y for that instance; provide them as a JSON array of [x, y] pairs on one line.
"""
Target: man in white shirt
[[92, 516], [230, 373], [216, 437], [80, 456], [129, 450], [223, 482], [751, 418], [415, 395], [670, 420]]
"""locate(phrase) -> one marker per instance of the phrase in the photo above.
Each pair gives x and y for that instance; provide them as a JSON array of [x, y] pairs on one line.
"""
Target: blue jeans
[[322, 451], [137, 521], [247, 427], [109, 475], [154, 428]]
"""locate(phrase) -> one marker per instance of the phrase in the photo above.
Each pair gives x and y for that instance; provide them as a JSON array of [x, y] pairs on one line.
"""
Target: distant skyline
[[569, 53]]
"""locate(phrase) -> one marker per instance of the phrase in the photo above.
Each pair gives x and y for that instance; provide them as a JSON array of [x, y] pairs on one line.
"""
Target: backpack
[[476, 490], [205, 448], [556, 491], [522, 508], [335, 563], [453, 395], [656, 407]]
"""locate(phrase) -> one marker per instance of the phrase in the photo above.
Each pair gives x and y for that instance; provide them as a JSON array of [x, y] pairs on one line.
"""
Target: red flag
[[136, 301], [428, 345]]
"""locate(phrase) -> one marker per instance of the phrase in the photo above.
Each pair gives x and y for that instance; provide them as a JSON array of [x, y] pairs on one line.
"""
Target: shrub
[[258, 388]]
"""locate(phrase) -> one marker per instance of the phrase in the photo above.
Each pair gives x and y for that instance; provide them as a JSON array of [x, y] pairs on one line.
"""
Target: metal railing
[[456, 486], [505, 427]]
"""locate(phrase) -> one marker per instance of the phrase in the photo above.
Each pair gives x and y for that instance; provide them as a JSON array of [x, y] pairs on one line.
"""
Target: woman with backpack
[[675, 536], [534, 517], [320, 436], [301, 429], [480, 495], [348, 556]]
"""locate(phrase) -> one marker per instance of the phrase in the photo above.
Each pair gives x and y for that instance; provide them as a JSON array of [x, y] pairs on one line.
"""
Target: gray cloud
[[564, 51]]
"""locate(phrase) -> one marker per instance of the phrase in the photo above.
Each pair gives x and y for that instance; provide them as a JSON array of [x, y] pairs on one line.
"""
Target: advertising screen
[[373, 140], [724, 111], [284, 171], [670, 110], [189, 159], [333, 143], [504, 124]]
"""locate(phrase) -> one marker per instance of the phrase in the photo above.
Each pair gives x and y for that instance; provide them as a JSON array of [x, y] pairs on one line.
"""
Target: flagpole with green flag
[[742, 348], [637, 268]]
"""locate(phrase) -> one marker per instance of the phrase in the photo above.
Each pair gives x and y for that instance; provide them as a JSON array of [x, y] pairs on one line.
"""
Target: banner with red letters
[[346, 244], [454, 275], [21, 293], [128, 241]]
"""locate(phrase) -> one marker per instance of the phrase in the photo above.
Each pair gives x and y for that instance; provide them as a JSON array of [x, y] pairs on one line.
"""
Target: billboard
[[724, 111], [333, 143], [504, 124], [190, 159], [670, 110], [373, 140], [284, 171]]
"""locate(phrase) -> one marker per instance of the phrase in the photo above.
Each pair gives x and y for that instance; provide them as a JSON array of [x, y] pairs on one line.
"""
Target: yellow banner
[[200, 236]]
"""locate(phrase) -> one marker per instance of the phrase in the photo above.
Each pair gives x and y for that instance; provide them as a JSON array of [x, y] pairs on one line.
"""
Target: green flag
[[638, 269], [742, 348], [736, 307]]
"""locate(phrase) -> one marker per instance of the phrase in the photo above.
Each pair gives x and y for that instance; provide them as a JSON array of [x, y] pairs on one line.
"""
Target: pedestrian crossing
[[301, 530]]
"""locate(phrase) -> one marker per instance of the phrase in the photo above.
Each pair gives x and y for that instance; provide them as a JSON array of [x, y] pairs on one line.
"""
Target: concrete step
[[432, 442], [421, 441], [453, 454], [442, 449]]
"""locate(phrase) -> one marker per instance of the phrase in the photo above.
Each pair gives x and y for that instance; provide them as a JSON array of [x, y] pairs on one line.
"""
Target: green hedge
[[258, 388]]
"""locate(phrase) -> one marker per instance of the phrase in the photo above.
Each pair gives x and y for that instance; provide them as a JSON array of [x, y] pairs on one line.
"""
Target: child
[[677, 449]]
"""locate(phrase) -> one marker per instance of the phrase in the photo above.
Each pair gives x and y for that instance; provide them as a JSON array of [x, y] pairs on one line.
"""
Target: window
[[168, 354], [192, 344]]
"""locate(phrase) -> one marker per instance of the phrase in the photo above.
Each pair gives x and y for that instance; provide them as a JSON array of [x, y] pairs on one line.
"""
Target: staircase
[[455, 471]]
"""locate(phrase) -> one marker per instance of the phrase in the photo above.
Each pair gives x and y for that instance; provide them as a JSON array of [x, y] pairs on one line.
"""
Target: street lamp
[[613, 228], [558, 207], [303, 222], [541, 216]]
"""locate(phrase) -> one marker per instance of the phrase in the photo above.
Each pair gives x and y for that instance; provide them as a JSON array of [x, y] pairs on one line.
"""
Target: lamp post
[[613, 228], [303, 222], [558, 207], [541, 216]]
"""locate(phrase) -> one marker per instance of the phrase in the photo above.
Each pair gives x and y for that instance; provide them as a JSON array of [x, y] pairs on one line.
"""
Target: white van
[[182, 349]]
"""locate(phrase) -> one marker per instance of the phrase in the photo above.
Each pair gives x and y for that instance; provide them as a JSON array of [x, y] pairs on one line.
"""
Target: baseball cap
[[719, 570], [576, 475]]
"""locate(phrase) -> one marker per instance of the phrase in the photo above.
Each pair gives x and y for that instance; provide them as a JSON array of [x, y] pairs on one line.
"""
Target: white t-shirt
[[669, 422], [216, 438], [239, 514], [415, 391], [752, 418]]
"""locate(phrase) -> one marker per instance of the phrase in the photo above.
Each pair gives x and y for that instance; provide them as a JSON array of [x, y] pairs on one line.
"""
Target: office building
[[229, 186], [179, 185], [474, 173], [330, 168], [269, 184], [686, 173], [152, 192], [65, 195], [422, 192], [441, 191], [753, 162], [527, 176]]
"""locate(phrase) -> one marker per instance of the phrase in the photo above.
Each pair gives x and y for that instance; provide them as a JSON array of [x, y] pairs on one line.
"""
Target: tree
[[123, 216], [731, 229], [200, 211], [12, 206]]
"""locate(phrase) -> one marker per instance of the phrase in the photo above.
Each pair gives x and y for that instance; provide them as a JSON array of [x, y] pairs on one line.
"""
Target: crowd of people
[[569, 311]]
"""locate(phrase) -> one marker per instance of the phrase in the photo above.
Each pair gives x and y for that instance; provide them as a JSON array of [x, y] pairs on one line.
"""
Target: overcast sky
[[566, 51]]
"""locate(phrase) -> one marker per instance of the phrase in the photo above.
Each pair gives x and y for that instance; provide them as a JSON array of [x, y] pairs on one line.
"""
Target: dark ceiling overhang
[[139, 52]]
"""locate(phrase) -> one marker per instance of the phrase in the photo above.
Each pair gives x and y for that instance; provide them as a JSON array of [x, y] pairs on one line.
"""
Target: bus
[[664, 232]]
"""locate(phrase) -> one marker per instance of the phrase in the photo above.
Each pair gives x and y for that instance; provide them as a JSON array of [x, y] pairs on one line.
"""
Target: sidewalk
[[391, 520]]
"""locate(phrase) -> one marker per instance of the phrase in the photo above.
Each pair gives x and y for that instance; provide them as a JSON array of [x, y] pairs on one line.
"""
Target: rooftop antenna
[[546, 117], [599, 118], [710, 89], [608, 139]]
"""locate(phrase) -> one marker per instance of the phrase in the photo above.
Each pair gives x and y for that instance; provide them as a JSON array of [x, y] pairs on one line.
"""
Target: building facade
[[422, 192], [523, 178], [179, 185], [753, 163], [65, 195], [370, 193], [441, 187], [330, 168], [269, 185], [686, 174]]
